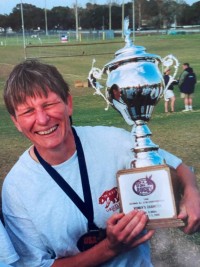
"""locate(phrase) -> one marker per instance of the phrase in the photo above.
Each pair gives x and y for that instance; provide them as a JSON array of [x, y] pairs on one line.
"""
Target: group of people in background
[[186, 84]]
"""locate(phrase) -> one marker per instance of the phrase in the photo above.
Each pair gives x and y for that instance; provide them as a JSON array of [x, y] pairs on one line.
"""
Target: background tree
[[148, 14], [60, 18]]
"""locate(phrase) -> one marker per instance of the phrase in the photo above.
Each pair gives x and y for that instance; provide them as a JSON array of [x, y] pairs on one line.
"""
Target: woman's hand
[[189, 210], [125, 231]]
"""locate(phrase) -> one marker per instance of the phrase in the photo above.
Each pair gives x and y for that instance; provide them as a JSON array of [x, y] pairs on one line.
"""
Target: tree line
[[154, 14]]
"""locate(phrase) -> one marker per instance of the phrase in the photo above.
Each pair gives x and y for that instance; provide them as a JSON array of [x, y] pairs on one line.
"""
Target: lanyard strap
[[85, 207]]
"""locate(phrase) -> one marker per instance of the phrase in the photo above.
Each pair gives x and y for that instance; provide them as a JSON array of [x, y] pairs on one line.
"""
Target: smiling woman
[[84, 164], [38, 100], [43, 121]]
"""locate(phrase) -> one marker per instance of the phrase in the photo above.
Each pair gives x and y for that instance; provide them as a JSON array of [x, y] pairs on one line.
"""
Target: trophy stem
[[145, 151]]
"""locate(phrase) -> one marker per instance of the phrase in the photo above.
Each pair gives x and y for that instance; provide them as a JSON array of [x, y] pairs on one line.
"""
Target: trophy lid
[[130, 52]]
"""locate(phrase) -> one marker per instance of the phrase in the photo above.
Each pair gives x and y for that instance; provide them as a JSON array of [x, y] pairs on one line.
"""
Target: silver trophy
[[133, 87]]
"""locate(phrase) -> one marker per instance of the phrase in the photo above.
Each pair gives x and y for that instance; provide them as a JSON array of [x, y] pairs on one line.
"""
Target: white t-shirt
[[43, 222], [8, 254]]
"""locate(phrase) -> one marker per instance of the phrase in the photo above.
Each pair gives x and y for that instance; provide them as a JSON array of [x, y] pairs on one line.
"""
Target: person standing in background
[[186, 84]]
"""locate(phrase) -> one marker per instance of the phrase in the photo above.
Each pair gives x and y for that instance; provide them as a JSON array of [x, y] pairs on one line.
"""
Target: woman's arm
[[122, 235], [190, 202]]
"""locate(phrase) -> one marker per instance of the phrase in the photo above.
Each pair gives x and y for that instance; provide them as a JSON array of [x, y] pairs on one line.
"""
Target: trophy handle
[[94, 75], [170, 61]]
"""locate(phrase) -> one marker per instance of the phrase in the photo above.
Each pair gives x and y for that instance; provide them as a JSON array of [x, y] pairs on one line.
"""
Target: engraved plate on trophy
[[133, 88], [142, 189]]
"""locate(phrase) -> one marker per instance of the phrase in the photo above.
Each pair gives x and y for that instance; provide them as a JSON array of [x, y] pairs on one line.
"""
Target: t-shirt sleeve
[[25, 238], [8, 254], [170, 159]]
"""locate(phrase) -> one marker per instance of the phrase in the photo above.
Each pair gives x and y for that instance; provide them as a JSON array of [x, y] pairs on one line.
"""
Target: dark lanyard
[[85, 207]]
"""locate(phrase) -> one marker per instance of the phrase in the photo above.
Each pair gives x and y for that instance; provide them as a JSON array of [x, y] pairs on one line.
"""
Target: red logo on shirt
[[109, 196]]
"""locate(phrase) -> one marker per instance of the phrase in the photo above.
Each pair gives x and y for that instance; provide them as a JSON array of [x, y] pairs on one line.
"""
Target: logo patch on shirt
[[110, 197]]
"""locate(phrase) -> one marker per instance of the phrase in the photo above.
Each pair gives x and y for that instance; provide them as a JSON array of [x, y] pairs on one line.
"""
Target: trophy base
[[164, 223], [154, 190]]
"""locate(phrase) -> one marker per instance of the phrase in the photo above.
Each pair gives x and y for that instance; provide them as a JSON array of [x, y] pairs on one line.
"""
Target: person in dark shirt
[[186, 84]]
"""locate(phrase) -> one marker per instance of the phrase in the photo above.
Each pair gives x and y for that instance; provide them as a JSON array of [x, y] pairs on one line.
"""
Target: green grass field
[[176, 132]]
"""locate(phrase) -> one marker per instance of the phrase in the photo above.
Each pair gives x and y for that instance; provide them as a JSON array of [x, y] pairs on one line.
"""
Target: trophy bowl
[[140, 87]]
